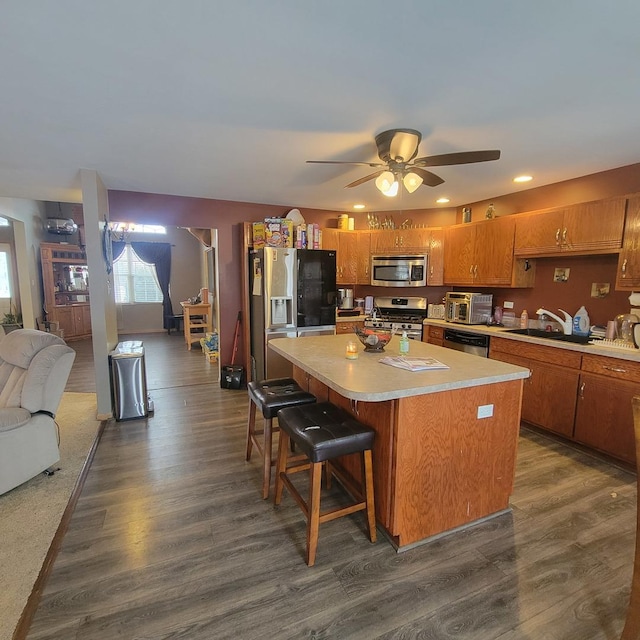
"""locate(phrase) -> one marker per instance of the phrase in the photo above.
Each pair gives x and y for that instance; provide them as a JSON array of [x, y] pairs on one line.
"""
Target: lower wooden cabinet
[[433, 335], [549, 394], [75, 320], [583, 397], [604, 418], [348, 326]]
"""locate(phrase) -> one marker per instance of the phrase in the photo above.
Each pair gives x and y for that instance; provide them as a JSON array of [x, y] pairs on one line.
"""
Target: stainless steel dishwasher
[[474, 343]]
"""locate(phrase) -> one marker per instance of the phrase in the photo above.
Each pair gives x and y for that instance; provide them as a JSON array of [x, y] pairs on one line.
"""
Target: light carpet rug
[[30, 514]]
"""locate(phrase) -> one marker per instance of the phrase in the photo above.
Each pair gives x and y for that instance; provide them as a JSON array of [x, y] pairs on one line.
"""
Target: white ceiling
[[228, 99]]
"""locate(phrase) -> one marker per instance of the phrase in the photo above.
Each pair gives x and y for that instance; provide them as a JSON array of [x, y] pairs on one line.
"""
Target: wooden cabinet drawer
[[552, 355], [433, 335], [612, 367], [348, 327]]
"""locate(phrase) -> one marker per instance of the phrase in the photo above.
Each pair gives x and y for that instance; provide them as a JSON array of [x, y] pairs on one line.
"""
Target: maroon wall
[[227, 217]]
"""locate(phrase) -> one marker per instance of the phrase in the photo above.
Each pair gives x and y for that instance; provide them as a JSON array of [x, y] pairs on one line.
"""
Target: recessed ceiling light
[[523, 178], [358, 206], [443, 200]]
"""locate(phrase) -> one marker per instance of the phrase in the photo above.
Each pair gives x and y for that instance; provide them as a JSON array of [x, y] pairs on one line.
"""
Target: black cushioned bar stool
[[270, 396], [323, 432]]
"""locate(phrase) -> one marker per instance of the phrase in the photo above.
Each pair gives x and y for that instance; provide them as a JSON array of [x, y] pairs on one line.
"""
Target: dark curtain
[[159, 255], [116, 249]]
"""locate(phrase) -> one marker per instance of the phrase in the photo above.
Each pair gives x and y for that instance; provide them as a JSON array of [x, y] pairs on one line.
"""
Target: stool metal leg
[[313, 517]]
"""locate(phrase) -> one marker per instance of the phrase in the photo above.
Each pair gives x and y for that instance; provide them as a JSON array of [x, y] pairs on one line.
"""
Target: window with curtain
[[134, 279]]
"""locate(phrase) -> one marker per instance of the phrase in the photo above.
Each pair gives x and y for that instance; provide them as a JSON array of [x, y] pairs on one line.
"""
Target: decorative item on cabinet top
[[285, 234]]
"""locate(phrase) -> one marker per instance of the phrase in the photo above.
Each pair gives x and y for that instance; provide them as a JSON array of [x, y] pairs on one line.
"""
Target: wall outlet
[[561, 275], [485, 411], [508, 305], [599, 289]]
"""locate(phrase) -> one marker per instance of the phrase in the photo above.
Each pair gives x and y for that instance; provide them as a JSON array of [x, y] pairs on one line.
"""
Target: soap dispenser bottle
[[404, 343], [581, 322]]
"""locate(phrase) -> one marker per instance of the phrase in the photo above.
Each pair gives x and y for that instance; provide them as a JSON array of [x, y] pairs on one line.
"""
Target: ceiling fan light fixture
[[387, 183], [393, 189], [411, 181]]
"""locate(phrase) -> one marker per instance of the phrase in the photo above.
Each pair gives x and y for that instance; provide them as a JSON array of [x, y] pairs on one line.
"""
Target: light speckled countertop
[[594, 349], [367, 379]]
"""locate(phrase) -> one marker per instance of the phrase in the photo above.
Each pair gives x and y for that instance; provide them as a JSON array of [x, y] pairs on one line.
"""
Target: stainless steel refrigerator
[[292, 294]]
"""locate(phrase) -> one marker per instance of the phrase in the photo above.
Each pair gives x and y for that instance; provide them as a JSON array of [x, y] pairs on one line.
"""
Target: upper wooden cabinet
[[400, 240], [435, 265], [481, 254], [590, 227], [345, 244], [628, 275], [364, 257]]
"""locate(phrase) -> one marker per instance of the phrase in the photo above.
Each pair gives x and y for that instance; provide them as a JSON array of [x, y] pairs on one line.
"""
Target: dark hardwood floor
[[170, 539]]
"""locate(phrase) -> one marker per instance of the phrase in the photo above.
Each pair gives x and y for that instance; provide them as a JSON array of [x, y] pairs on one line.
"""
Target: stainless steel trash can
[[129, 397]]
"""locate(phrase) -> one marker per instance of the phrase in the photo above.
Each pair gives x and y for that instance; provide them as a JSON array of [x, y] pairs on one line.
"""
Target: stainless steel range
[[400, 314]]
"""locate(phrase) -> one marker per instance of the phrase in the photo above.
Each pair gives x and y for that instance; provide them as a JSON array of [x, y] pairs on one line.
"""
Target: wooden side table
[[197, 321]]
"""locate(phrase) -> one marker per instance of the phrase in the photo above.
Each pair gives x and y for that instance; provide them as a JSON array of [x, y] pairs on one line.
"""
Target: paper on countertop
[[413, 364]]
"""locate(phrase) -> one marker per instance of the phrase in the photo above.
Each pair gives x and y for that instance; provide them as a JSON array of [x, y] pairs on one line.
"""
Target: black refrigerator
[[292, 294]]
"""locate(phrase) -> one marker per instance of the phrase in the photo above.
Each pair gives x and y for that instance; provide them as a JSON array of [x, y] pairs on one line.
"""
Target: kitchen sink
[[550, 335]]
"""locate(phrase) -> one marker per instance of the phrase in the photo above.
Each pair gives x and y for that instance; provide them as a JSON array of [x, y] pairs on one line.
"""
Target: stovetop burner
[[398, 317], [401, 314]]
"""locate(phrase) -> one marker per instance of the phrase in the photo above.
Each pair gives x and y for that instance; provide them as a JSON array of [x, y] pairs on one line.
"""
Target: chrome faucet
[[566, 324]]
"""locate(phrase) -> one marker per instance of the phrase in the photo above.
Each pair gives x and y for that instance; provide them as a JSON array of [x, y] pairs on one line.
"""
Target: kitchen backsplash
[[569, 295]]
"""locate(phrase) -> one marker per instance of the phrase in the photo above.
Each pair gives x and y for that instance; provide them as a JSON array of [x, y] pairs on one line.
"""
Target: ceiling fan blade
[[462, 157], [371, 176], [365, 164], [429, 179]]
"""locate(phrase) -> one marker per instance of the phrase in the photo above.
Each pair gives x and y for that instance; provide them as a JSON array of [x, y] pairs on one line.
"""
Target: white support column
[[95, 205]]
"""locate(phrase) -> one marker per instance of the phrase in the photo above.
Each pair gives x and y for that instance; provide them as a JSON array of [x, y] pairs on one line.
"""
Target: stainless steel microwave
[[399, 271]]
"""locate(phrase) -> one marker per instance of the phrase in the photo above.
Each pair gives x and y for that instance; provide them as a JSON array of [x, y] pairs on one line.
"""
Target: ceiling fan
[[397, 148]]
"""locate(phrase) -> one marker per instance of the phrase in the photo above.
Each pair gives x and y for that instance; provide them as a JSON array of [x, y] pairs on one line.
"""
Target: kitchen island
[[446, 439]]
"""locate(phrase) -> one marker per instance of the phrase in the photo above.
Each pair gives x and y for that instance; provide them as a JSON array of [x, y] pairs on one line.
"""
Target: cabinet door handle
[[558, 235], [581, 393], [564, 235], [471, 270], [615, 369], [624, 268]]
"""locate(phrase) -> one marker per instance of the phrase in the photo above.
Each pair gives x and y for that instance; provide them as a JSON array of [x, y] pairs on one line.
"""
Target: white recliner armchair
[[34, 368]]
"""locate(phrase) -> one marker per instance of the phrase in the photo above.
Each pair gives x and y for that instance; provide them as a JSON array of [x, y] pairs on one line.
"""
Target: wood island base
[[441, 460]]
